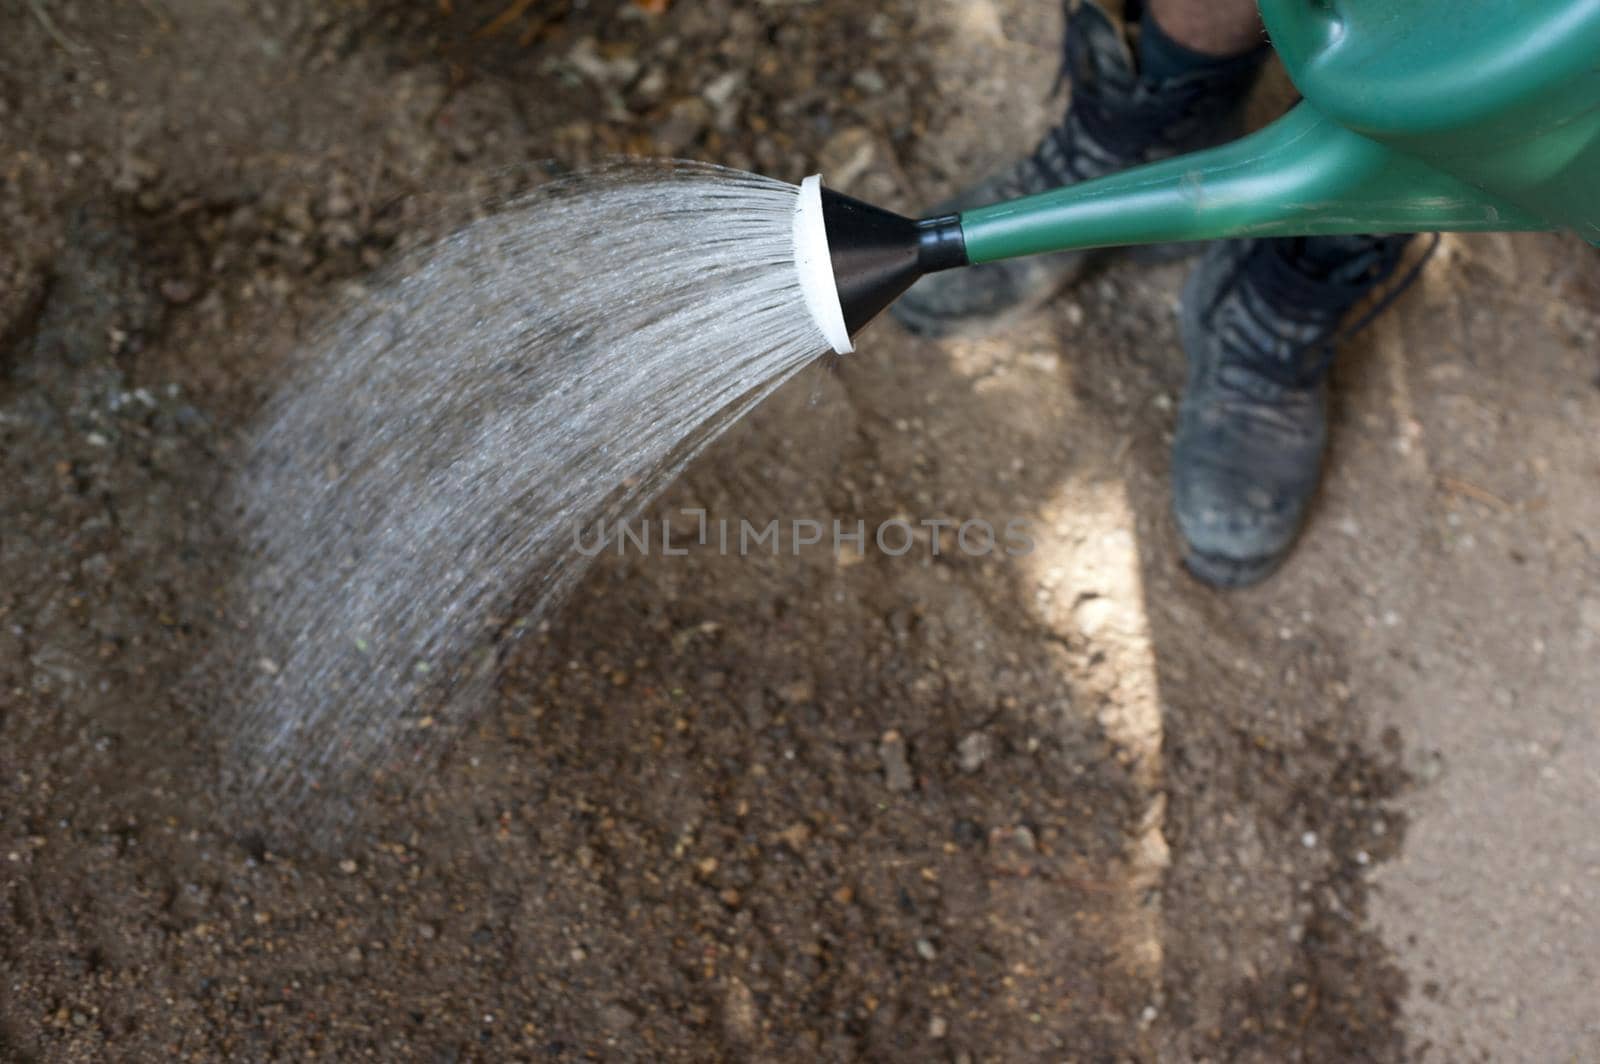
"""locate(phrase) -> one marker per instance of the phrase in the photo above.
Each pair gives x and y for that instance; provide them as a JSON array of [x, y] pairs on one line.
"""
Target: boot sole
[[940, 326], [1229, 574], [946, 326]]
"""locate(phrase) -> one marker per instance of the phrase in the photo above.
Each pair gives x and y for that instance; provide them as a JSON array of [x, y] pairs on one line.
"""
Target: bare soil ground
[[857, 807]]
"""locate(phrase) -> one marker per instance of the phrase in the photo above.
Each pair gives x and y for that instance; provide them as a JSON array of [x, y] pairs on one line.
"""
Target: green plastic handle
[[1301, 176]]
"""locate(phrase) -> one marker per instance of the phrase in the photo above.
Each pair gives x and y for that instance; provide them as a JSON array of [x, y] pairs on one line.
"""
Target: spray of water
[[541, 371]]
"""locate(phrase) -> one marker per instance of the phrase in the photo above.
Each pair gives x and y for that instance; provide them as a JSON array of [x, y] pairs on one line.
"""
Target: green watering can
[[1418, 116]]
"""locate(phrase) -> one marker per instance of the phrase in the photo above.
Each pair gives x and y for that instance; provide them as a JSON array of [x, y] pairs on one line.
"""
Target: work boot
[[1116, 120], [1259, 322]]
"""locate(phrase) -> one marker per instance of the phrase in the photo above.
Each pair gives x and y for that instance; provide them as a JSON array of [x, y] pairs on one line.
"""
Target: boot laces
[[1278, 292], [1109, 118], [1127, 120]]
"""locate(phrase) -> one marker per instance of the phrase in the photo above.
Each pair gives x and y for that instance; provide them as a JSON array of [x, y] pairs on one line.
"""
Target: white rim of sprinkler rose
[[814, 263]]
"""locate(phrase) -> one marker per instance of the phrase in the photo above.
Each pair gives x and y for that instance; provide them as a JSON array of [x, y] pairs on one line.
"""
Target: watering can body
[[1418, 116]]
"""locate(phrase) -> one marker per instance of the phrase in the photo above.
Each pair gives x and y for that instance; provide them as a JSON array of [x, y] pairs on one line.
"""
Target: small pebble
[[177, 291], [896, 764], [973, 751], [722, 89], [869, 81], [616, 1017], [796, 692]]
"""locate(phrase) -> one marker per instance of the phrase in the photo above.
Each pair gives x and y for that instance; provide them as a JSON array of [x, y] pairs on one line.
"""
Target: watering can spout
[[1426, 116], [1301, 176], [1304, 175], [853, 259], [877, 254]]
